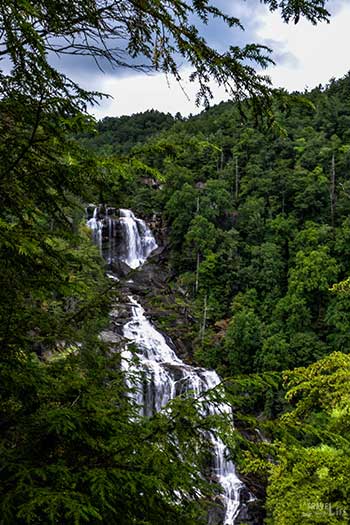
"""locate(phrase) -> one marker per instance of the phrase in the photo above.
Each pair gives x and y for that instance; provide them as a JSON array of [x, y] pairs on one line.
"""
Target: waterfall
[[96, 225], [137, 239], [120, 238], [166, 374]]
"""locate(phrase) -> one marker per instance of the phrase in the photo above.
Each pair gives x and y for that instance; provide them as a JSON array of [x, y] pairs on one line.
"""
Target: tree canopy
[[255, 245]]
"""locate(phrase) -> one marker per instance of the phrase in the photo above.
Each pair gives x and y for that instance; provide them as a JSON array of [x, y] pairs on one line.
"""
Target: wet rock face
[[149, 277], [90, 210], [251, 513], [216, 515], [120, 268], [111, 337]]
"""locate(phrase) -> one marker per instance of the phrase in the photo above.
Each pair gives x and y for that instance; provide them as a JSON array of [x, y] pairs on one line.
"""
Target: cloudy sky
[[305, 56]]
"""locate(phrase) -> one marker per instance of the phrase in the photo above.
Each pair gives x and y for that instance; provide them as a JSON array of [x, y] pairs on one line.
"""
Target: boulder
[[120, 268], [111, 337]]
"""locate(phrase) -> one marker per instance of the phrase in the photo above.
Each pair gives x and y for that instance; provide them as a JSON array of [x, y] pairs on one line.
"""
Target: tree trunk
[[236, 180], [332, 191], [204, 320], [197, 273]]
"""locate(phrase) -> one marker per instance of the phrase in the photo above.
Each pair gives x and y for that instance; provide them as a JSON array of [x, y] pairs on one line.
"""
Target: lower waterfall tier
[[167, 376]]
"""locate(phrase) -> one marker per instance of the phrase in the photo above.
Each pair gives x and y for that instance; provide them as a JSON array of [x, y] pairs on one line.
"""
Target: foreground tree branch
[[146, 36]]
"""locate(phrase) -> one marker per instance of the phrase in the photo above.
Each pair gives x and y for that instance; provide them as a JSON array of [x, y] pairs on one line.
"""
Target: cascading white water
[[166, 374], [96, 226], [138, 240], [125, 238]]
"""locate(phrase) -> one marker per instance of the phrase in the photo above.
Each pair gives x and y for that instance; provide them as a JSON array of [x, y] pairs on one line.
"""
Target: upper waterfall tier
[[139, 242], [125, 238]]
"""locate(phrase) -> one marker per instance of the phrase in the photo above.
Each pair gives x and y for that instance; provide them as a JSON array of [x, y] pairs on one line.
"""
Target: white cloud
[[320, 52], [306, 56], [139, 93]]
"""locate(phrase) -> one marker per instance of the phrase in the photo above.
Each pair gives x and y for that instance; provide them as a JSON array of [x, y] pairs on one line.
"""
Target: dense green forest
[[258, 244], [258, 225], [254, 197]]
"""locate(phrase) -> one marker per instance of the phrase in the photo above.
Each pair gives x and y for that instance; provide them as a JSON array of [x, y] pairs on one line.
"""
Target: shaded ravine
[[129, 240]]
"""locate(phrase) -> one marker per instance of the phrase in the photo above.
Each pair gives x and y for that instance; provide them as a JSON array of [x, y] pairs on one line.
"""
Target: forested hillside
[[258, 243], [258, 227], [249, 202], [120, 134]]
